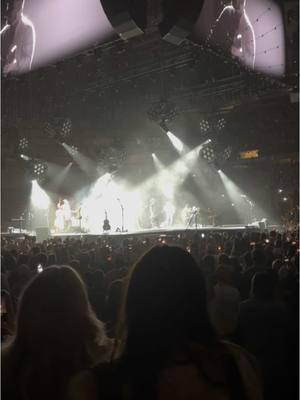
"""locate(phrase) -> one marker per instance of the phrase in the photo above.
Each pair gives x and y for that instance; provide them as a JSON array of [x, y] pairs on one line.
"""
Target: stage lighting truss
[[163, 111], [39, 169], [23, 143], [208, 153], [66, 129], [221, 123], [204, 125]]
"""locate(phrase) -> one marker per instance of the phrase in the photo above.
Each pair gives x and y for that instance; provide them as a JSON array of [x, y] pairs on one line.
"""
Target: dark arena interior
[[139, 137]]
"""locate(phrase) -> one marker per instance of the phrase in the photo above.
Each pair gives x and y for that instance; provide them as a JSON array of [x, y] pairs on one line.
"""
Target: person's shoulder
[[249, 371], [85, 385], [82, 386], [248, 304]]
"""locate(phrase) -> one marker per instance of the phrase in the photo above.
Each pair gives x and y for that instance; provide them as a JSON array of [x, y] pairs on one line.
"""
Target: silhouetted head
[[262, 286], [166, 304], [57, 334]]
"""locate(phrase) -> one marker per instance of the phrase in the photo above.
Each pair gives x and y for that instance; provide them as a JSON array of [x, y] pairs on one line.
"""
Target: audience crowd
[[206, 315]]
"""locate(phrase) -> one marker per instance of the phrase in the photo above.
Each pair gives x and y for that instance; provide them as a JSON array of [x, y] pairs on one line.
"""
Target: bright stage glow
[[112, 197], [39, 198], [176, 142]]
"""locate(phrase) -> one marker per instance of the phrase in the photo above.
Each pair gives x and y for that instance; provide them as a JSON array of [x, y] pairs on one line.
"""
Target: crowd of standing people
[[211, 315]]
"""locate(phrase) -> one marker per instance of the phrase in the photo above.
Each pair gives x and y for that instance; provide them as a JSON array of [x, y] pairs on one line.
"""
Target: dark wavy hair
[[166, 306], [57, 336]]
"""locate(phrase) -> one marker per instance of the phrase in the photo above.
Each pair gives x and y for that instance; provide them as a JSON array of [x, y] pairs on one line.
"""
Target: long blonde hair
[[57, 335]]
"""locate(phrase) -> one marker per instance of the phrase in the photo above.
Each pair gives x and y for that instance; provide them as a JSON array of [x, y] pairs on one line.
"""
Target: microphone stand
[[122, 211]]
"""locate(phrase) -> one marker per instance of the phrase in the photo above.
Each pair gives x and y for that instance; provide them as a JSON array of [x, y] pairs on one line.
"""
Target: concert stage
[[161, 232]]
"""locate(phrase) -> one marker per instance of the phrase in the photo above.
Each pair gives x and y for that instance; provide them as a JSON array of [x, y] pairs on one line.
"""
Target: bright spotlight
[[39, 197], [158, 164], [177, 143], [24, 157], [284, 199], [219, 170], [280, 190]]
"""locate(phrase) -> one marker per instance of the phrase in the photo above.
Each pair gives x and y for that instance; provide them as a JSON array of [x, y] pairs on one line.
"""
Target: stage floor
[[175, 230], [43, 233], [163, 231]]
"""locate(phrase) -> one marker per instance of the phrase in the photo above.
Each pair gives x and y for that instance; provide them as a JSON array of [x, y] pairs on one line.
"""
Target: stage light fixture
[[66, 129], [208, 153], [73, 150], [204, 125], [227, 153], [39, 169], [221, 123], [23, 143], [50, 131]]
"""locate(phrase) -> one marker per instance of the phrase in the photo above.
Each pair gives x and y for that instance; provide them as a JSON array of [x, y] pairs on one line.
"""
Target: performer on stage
[[62, 216], [169, 210], [153, 212], [67, 213], [59, 222]]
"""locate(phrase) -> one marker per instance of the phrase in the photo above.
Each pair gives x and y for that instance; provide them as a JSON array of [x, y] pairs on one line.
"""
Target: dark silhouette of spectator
[[224, 305], [17, 280], [258, 264], [223, 259], [23, 259], [209, 267], [263, 329], [51, 260], [7, 314], [113, 304], [57, 336], [168, 347], [236, 272]]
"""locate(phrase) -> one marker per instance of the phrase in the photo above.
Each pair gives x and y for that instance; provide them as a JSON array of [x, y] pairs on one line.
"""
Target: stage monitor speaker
[[128, 17], [180, 17], [42, 233]]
